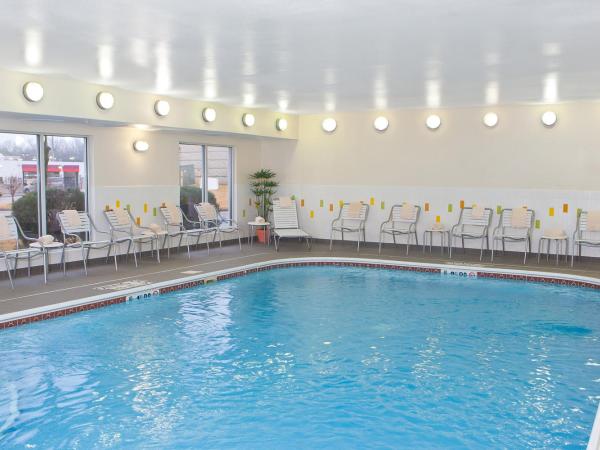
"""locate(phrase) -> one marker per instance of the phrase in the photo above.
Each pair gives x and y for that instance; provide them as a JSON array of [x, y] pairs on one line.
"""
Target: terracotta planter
[[261, 234]]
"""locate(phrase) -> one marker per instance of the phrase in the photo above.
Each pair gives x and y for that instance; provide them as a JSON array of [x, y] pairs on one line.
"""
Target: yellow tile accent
[[372, 201], [426, 207], [341, 203], [145, 208], [302, 203], [331, 207], [449, 207], [312, 214], [462, 204], [118, 204], [321, 203], [382, 204], [537, 224], [438, 219], [551, 212], [499, 209], [565, 208]]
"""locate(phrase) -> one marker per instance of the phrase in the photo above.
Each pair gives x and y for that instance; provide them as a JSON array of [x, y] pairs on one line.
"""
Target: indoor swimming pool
[[312, 357]]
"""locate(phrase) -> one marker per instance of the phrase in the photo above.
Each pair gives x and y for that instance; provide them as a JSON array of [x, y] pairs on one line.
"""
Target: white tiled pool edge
[[106, 299]]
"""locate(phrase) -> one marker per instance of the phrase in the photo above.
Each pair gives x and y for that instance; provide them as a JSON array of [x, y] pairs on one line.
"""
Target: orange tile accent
[[426, 207], [138, 220], [565, 208], [302, 203], [462, 204], [331, 207]]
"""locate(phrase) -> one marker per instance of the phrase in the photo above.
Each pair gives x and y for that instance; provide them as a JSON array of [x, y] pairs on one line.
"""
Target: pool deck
[[31, 292]]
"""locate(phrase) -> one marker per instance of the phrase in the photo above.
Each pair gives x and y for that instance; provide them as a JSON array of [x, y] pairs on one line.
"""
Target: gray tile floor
[[31, 292]]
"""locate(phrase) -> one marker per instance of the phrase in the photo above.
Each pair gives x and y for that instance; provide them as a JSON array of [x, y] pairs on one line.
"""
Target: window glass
[[218, 162], [66, 180], [19, 179], [191, 173]]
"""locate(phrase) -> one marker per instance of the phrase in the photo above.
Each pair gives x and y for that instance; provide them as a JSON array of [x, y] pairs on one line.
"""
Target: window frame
[[204, 146], [41, 178]]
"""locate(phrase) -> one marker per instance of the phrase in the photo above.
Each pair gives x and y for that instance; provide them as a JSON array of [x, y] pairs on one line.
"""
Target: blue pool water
[[311, 358]]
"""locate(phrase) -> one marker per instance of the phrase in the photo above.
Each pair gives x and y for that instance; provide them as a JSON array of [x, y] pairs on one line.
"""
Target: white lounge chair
[[11, 235], [285, 222], [123, 226], [587, 232], [401, 222], [350, 221], [175, 220], [512, 229], [473, 223], [78, 231], [211, 220]]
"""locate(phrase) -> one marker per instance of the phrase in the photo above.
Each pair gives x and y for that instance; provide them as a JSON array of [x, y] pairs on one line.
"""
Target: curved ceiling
[[313, 56]]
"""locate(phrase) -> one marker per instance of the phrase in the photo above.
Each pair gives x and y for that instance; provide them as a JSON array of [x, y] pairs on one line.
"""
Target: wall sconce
[[33, 91], [281, 124], [209, 114], [162, 108], [141, 146], [248, 120], [105, 100]]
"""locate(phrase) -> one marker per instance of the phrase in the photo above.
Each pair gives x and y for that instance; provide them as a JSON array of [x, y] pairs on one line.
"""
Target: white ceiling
[[315, 55]]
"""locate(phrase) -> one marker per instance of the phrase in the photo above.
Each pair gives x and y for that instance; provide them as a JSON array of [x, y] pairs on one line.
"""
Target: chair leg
[[380, 241], [110, 247], [239, 240], [7, 264], [331, 241], [84, 259], [481, 253], [63, 260]]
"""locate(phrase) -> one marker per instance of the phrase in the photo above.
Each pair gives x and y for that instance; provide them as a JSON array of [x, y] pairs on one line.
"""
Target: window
[[61, 185], [205, 169]]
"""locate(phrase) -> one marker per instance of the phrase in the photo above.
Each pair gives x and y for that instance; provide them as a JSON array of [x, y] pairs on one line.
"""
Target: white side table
[[444, 238], [558, 238], [252, 231]]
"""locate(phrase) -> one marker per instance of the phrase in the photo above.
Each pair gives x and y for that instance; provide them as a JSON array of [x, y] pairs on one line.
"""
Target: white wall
[[519, 162]]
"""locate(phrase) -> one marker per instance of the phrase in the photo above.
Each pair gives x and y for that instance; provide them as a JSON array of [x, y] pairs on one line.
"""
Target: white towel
[[5, 233], [477, 212], [122, 217], [72, 218], [407, 211], [593, 221], [46, 239], [519, 218], [285, 202], [555, 233], [354, 210], [175, 213], [155, 228]]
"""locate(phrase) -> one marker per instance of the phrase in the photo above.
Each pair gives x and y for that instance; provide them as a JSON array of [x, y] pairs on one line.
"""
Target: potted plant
[[263, 186]]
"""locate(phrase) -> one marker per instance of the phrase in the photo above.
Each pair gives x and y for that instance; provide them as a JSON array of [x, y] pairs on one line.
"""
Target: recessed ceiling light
[[549, 118], [162, 107], [209, 114], [141, 146], [33, 91], [490, 119], [433, 122], [381, 123], [248, 120], [329, 125], [281, 124], [105, 100]]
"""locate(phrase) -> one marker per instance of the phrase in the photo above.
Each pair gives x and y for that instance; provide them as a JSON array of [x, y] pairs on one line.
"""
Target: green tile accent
[[449, 207], [499, 209], [537, 224], [382, 205], [243, 213], [579, 211], [293, 197], [154, 211], [128, 207], [321, 203]]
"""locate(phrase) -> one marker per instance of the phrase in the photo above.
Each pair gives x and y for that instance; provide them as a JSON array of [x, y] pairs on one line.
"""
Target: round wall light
[[162, 108], [33, 91], [490, 119], [209, 114], [105, 100], [141, 146], [248, 120], [329, 125], [281, 124], [549, 118], [433, 122], [381, 123]]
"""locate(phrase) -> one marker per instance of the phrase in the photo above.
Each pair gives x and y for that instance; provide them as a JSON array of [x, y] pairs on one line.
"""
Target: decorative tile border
[[31, 316]]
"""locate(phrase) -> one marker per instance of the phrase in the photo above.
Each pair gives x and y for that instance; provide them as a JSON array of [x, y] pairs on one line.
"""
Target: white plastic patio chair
[[285, 222], [346, 222], [79, 231], [473, 223], [587, 232], [211, 220], [123, 226], [401, 222], [509, 230], [175, 220], [11, 235]]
